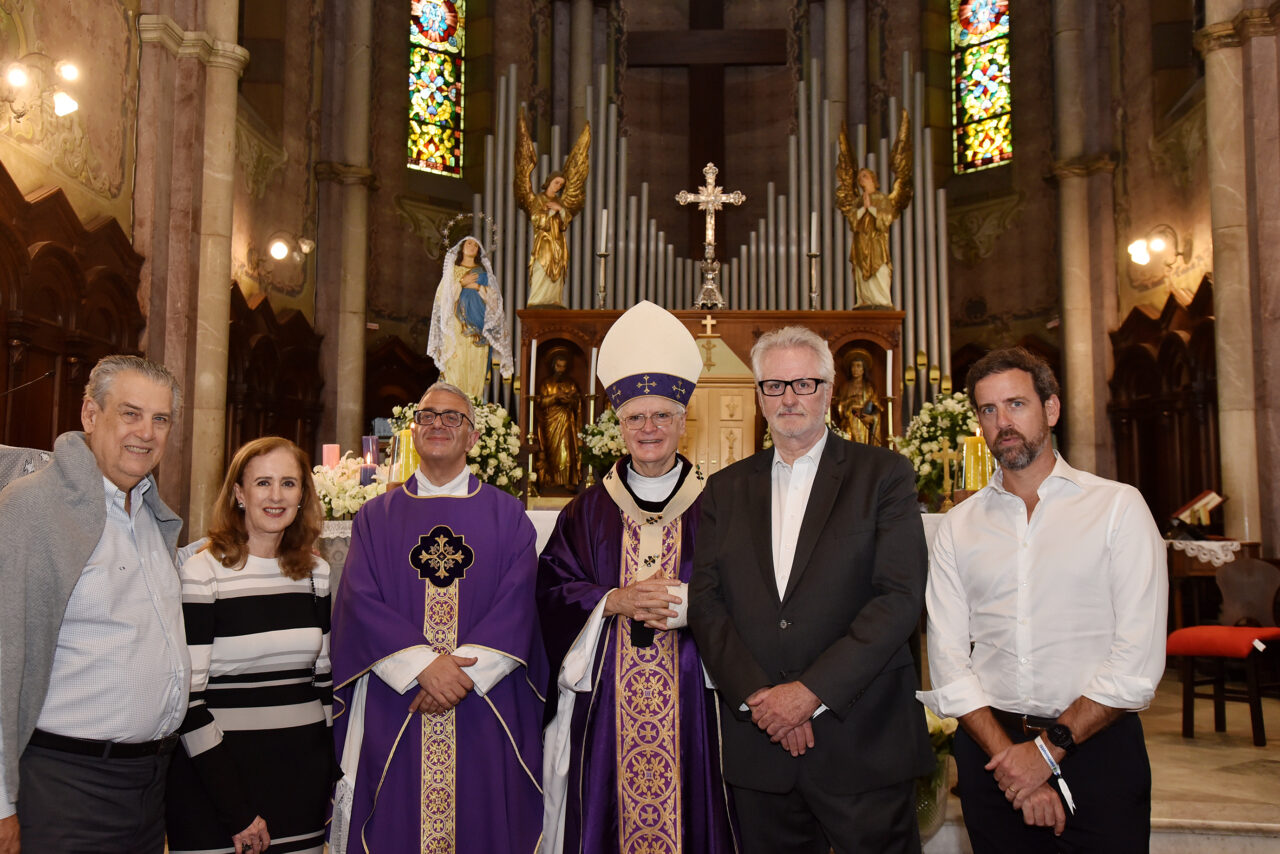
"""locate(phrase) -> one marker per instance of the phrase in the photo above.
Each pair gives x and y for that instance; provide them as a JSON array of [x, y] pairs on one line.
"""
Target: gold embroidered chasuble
[[648, 681]]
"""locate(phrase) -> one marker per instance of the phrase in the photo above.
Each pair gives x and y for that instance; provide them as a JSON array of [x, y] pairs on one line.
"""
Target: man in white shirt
[[1047, 598], [93, 657], [808, 582], [437, 658]]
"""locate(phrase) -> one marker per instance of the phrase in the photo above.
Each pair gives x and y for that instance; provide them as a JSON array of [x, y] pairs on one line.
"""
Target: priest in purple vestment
[[632, 758], [437, 659]]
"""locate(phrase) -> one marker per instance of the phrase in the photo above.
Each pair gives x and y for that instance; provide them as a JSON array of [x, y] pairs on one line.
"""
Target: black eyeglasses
[[427, 417], [776, 388]]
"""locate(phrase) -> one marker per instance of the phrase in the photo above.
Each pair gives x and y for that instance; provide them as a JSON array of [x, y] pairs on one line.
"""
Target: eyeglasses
[[802, 386], [427, 417], [661, 420]]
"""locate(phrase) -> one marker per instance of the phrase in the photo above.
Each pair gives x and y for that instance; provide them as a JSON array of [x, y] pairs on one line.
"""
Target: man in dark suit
[[808, 579]]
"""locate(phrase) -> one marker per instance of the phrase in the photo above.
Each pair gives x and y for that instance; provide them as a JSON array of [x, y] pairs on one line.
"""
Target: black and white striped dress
[[257, 735]]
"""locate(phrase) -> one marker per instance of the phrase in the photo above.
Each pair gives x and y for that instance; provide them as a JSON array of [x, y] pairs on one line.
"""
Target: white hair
[[103, 377], [453, 389], [791, 337]]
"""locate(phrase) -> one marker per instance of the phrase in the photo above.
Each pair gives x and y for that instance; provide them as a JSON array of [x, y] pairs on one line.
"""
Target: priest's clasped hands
[[443, 684], [785, 712], [644, 601]]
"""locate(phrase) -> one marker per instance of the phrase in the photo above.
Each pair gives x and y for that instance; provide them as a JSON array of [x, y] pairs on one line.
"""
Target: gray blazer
[[50, 523], [842, 626]]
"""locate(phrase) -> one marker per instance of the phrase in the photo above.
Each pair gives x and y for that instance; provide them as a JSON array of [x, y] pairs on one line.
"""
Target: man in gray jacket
[[94, 669]]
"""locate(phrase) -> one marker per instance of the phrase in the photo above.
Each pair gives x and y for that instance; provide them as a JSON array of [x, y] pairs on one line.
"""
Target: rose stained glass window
[[982, 102], [436, 41]]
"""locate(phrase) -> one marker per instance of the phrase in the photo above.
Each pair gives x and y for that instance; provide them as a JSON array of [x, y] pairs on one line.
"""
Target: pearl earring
[[240, 504]]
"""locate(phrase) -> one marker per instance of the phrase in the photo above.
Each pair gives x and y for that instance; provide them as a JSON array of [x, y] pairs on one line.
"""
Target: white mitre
[[648, 352]]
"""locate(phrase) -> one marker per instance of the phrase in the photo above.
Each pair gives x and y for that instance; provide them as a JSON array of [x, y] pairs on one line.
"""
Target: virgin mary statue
[[468, 325]]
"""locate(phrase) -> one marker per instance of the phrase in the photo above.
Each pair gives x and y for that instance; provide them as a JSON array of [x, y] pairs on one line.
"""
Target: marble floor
[[1213, 793]]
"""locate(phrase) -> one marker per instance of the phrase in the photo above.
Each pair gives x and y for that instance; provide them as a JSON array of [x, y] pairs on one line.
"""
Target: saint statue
[[558, 201], [468, 325], [858, 408], [869, 213], [559, 407]]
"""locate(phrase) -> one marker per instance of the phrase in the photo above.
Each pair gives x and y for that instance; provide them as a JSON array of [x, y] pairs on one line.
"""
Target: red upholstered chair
[[1249, 591]]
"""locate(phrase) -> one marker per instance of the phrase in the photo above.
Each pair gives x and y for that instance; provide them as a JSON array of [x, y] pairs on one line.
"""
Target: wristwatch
[[1060, 736]]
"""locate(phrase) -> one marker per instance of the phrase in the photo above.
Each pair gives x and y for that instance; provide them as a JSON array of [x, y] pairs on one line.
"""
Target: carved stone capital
[[1083, 166], [185, 44], [972, 230], [260, 158], [1175, 151], [344, 173], [1248, 24], [425, 220]]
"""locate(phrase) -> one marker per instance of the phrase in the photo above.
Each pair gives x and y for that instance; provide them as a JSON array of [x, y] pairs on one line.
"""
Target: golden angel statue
[[870, 213], [559, 200]]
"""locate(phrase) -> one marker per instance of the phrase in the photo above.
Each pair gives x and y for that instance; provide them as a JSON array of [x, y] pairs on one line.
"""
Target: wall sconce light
[[1140, 250], [283, 245], [21, 91]]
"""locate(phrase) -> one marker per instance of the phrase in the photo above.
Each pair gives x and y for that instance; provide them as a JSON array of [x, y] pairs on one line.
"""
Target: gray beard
[[1018, 457]]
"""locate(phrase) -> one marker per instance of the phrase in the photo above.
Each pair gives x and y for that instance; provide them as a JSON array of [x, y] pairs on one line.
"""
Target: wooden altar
[[723, 423]]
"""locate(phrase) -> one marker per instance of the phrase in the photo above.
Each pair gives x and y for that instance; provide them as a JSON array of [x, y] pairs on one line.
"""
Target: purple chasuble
[[440, 572], [669, 796]]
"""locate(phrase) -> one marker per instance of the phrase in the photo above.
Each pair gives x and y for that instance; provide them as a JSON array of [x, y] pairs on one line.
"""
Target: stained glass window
[[437, 30], [982, 102]]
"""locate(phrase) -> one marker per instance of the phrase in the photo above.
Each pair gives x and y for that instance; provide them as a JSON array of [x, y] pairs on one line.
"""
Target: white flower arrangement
[[339, 489], [601, 442], [402, 417], [492, 459], [949, 416]]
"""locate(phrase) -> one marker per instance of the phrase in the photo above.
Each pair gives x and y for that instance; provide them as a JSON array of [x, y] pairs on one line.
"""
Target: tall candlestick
[[813, 232], [888, 372], [591, 378], [533, 365], [604, 229]]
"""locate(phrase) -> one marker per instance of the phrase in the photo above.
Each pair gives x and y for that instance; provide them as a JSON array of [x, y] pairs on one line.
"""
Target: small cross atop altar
[[708, 323], [710, 198]]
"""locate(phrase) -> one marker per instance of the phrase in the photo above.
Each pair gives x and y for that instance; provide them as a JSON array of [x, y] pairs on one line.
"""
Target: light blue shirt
[[121, 670]]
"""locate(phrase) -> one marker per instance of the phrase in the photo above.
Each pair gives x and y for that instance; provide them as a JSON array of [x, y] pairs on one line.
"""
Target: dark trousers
[[70, 804], [1110, 781], [812, 820]]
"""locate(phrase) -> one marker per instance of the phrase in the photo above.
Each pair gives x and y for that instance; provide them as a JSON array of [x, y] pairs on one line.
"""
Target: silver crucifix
[[710, 198]]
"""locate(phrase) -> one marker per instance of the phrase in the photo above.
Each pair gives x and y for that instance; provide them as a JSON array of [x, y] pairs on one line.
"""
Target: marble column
[[208, 409], [355, 176], [1234, 266], [1083, 361], [836, 33], [580, 31]]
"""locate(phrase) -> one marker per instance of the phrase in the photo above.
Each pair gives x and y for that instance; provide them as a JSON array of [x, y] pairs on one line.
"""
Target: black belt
[[103, 749], [1026, 724]]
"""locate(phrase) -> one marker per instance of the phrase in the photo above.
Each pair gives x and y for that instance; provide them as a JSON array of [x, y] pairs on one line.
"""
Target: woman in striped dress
[[257, 762]]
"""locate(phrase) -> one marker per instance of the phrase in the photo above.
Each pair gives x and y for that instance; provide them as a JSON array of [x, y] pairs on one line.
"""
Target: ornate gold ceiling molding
[[185, 44], [1248, 24]]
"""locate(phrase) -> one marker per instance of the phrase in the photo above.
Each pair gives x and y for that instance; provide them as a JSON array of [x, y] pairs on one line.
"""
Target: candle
[[604, 230], [406, 457], [368, 472], [591, 379], [370, 446], [329, 456], [888, 373], [813, 232], [974, 465], [533, 365]]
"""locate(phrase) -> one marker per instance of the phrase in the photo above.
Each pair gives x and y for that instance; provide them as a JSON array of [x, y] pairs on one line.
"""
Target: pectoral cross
[[710, 198]]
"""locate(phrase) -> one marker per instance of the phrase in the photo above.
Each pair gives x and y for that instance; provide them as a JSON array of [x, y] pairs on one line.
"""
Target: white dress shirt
[[1067, 604], [121, 669], [400, 671], [791, 487]]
